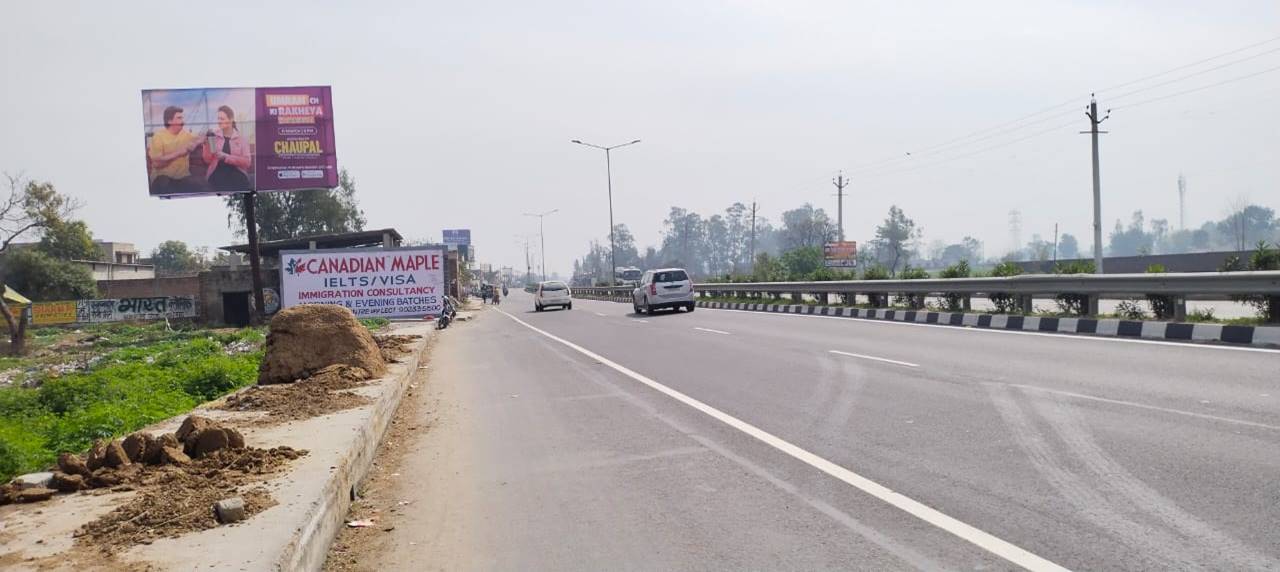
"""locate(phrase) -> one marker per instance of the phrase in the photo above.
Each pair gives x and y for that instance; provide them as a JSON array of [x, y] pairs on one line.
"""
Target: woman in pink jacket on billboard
[[227, 154]]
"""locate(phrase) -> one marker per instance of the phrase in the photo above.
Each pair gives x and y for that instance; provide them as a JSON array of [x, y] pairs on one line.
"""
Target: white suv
[[663, 288], [552, 294]]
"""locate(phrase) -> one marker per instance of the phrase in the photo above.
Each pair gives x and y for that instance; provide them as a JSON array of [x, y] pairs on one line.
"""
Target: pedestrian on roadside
[[485, 292], [497, 296]]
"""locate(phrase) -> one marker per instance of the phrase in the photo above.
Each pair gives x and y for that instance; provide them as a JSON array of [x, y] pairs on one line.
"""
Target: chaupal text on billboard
[[373, 282], [233, 140]]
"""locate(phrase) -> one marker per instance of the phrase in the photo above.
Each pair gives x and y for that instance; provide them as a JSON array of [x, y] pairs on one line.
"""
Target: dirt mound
[[322, 393], [394, 345], [113, 463], [173, 500], [304, 339]]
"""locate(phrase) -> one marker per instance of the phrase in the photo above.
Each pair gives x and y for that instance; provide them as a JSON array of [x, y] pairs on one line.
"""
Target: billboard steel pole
[[255, 261]]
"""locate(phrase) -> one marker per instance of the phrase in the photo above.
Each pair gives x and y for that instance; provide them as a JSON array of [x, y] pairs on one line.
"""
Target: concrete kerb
[[309, 546]]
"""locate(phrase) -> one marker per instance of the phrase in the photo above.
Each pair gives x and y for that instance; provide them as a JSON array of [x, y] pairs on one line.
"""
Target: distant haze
[[459, 114]]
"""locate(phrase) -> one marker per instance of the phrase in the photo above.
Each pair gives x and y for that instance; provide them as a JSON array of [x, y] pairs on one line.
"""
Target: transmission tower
[[1015, 229]]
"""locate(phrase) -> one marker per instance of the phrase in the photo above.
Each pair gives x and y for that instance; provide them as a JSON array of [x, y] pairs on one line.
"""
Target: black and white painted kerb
[[1268, 336], [1253, 335]]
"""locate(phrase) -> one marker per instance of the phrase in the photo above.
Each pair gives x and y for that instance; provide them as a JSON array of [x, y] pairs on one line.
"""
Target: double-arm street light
[[543, 238], [613, 249]]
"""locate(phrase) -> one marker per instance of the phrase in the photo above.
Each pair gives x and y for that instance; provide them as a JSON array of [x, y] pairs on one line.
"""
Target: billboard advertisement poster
[[48, 313], [371, 282], [457, 236], [840, 254], [208, 141]]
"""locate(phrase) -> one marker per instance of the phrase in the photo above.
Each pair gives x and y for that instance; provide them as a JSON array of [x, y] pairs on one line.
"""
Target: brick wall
[[149, 287]]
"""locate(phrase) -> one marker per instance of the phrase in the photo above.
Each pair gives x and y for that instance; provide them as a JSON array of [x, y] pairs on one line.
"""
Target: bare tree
[[29, 206]]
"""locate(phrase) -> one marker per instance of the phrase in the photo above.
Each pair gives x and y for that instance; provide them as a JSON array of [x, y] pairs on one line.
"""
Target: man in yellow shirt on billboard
[[169, 153]]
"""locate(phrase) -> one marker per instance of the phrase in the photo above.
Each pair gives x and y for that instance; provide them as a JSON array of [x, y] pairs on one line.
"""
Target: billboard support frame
[[255, 259]]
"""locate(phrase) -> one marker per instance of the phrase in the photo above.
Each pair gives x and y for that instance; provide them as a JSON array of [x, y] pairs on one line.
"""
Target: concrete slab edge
[[309, 546], [1261, 336]]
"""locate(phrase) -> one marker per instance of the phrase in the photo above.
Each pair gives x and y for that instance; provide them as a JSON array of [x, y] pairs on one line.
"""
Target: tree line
[[723, 244], [734, 243]]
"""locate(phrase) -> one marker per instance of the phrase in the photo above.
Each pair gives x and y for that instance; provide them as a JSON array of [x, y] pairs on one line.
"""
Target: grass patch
[[144, 374], [374, 324]]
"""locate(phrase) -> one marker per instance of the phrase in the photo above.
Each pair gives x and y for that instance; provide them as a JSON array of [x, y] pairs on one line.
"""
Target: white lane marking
[[1088, 397], [969, 533], [874, 358], [1081, 337], [643, 321], [711, 330], [599, 314]]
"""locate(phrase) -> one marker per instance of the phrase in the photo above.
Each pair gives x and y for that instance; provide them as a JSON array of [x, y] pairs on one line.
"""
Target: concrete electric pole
[[751, 262], [840, 184], [1094, 122]]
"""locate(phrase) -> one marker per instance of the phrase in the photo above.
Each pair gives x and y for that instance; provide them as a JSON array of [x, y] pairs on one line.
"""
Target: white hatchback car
[[552, 293], [663, 288]]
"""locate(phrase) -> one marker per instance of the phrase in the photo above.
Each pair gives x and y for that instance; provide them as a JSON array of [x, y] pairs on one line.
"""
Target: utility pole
[[1182, 202], [1055, 243], [1094, 122], [608, 169], [751, 263], [840, 184], [543, 237]]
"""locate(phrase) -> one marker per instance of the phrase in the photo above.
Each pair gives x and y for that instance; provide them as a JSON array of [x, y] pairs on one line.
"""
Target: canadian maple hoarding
[[373, 282]]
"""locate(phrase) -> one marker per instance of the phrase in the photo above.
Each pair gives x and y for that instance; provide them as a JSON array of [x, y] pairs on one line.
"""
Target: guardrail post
[[966, 303], [1025, 304], [1091, 305], [797, 297], [1273, 309], [1179, 308], [824, 298]]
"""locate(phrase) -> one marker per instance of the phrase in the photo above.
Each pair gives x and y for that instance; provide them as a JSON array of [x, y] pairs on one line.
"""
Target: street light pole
[[543, 238], [608, 169]]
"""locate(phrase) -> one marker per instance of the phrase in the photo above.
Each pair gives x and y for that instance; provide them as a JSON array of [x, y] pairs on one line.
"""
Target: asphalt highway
[[598, 439]]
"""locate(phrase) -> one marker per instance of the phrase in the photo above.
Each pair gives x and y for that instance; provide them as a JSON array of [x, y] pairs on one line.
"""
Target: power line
[[1014, 125], [1192, 64], [1195, 89], [975, 152], [1191, 75]]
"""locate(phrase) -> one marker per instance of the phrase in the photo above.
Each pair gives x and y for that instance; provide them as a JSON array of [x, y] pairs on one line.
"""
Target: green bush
[[1073, 303], [877, 272], [1004, 302], [951, 301], [912, 273], [1161, 304], [1263, 257]]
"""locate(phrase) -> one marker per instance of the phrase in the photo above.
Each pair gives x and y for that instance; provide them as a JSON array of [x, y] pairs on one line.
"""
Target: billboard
[[840, 254], [209, 141], [457, 236], [48, 313], [371, 282]]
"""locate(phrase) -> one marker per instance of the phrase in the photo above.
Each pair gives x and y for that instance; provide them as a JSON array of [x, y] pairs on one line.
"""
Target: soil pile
[[173, 500], [178, 477], [395, 345], [322, 393], [126, 462], [307, 338]]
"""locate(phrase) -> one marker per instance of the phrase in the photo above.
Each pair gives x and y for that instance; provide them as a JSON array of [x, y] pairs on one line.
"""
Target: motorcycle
[[447, 314]]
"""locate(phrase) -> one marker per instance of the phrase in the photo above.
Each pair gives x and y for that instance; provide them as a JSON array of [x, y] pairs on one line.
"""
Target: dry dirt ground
[[392, 494]]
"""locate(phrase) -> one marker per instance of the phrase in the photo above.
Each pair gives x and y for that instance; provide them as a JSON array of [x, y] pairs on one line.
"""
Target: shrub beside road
[[104, 381]]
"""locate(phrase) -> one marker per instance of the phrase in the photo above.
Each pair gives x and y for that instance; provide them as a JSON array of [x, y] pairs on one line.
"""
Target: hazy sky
[[459, 114]]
